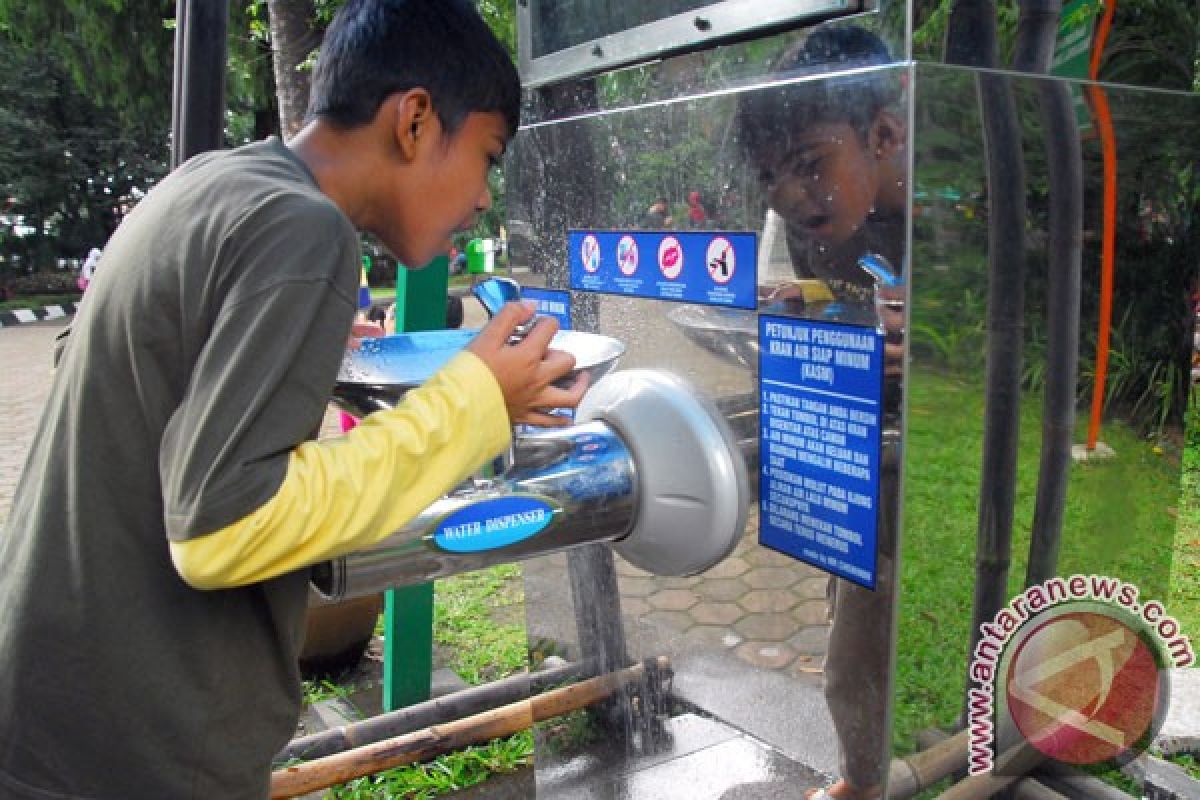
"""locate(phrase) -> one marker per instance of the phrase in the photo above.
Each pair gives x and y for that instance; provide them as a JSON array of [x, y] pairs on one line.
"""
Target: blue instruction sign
[[713, 268], [821, 420], [550, 303]]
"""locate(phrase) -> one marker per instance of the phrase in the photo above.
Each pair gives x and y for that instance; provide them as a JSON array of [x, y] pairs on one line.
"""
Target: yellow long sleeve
[[343, 494]]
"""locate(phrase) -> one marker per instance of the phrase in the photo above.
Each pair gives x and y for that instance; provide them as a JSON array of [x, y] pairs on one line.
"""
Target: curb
[[23, 315]]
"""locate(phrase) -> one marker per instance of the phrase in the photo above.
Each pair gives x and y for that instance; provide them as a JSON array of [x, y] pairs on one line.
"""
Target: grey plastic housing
[[693, 492]]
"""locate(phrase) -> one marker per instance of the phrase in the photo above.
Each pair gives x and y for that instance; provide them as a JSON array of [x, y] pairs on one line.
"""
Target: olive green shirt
[[205, 352]]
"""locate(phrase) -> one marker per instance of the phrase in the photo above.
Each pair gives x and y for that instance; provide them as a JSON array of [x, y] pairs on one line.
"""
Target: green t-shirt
[[205, 352]]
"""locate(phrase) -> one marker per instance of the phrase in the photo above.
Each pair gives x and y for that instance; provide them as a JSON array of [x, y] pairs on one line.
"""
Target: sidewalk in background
[[24, 315]]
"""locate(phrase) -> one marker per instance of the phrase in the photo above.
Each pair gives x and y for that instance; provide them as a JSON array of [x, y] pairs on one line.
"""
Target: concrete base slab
[[1080, 452], [704, 759], [1183, 713]]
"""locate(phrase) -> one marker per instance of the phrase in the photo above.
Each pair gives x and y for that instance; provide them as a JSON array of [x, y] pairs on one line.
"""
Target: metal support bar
[[198, 98], [408, 612]]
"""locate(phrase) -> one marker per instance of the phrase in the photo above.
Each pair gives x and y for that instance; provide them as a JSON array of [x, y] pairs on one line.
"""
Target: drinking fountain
[[650, 467]]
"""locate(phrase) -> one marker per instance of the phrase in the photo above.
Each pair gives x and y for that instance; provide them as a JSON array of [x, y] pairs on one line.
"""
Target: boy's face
[[446, 189], [825, 183]]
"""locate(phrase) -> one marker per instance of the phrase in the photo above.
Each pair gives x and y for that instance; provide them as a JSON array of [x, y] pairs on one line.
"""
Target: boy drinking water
[[154, 580]]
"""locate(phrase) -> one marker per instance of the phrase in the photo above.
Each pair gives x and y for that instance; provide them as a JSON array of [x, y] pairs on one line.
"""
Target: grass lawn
[[1122, 519], [479, 632], [38, 300]]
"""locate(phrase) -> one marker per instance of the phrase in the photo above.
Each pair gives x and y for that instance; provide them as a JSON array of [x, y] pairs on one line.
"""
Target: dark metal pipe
[[971, 41], [1037, 33], [1005, 326], [198, 101], [1064, 263]]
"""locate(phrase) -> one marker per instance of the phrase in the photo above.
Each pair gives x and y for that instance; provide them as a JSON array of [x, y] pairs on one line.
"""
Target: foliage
[[450, 773], [478, 629], [1139, 488], [480, 648], [317, 691], [118, 52], [71, 167], [38, 300], [930, 18], [1158, 242], [1154, 43]]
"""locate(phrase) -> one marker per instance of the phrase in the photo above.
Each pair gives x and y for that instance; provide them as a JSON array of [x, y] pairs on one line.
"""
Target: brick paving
[[26, 353], [764, 607]]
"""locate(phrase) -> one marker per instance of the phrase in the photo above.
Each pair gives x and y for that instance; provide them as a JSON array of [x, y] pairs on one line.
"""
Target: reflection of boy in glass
[[830, 156]]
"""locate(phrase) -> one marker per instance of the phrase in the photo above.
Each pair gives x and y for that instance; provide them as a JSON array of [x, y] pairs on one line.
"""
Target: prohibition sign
[[720, 260], [589, 250], [670, 258], [627, 255]]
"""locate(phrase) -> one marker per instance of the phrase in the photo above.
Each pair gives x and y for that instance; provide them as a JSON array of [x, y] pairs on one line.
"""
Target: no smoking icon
[[720, 260]]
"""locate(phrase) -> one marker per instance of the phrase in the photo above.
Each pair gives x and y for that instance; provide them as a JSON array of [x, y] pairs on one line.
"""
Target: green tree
[[70, 168], [117, 51]]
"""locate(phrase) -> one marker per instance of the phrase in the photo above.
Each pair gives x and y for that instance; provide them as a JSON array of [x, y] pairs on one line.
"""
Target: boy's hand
[[892, 313], [527, 370]]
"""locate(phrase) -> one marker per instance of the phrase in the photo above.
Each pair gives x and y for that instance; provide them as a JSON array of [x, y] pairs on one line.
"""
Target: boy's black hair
[[768, 118], [375, 48]]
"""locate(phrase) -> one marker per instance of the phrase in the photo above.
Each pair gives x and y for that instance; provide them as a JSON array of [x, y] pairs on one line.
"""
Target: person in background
[[697, 216], [88, 271], [658, 215], [830, 158], [154, 570]]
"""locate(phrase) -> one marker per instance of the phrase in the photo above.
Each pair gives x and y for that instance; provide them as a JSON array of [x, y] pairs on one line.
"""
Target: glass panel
[[1144, 44], [749, 641], [1119, 514]]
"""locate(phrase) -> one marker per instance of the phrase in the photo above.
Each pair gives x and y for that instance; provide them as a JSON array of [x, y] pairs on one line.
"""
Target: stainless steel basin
[[377, 374], [728, 333]]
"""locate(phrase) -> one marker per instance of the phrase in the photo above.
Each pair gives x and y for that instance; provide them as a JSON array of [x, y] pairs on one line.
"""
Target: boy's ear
[[412, 119], [887, 135]]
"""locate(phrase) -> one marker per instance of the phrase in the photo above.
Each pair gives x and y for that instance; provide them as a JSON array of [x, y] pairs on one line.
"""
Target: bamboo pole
[[908, 777], [457, 705], [434, 741]]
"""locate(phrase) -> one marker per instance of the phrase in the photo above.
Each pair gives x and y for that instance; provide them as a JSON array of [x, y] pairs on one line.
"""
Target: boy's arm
[[344, 494]]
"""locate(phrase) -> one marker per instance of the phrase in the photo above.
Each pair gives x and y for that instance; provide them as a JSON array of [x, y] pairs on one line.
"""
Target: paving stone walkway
[[766, 608], [26, 353]]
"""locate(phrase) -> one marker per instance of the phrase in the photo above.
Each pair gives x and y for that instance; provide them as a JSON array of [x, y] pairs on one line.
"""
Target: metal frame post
[[408, 611]]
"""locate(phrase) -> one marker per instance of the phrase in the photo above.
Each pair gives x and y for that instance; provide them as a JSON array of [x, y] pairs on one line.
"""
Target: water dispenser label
[[550, 303], [821, 420], [708, 267], [493, 524]]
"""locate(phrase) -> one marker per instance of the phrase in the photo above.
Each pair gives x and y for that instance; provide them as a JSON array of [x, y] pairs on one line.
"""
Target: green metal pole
[[408, 611]]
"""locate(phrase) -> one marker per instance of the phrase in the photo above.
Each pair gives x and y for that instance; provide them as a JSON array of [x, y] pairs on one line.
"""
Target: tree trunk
[[293, 37]]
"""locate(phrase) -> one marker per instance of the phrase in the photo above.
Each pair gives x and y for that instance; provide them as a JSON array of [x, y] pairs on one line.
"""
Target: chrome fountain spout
[[650, 468], [494, 293], [885, 277]]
